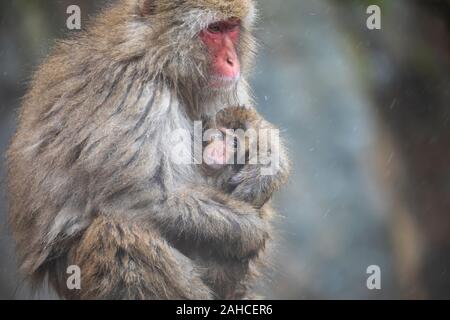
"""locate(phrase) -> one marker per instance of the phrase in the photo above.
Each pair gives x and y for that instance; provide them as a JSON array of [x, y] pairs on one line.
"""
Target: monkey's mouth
[[221, 82]]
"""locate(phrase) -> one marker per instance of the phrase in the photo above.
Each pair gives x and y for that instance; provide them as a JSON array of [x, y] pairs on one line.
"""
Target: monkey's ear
[[146, 7]]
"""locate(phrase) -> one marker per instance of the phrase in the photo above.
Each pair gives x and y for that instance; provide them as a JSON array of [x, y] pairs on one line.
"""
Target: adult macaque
[[91, 182]]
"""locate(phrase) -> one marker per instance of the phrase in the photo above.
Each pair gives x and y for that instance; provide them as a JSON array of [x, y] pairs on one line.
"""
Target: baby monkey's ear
[[146, 7]]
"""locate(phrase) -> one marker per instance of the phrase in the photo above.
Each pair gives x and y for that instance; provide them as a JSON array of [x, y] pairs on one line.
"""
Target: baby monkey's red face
[[222, 39]]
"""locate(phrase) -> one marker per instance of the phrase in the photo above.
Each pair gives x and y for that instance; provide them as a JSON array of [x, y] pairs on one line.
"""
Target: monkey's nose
[[230, 61]]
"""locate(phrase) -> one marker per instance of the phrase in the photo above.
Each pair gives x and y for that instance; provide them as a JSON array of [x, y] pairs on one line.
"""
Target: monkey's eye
[[214, 28]]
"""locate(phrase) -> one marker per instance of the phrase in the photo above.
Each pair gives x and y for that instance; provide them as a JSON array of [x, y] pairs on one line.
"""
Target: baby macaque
[[229, 140]]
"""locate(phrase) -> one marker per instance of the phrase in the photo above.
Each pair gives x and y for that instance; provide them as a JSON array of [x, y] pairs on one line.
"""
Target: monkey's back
[[61, 143], [39, 185]]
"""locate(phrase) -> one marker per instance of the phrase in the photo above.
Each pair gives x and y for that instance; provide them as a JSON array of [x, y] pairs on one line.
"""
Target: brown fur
[[239, 179], [90, 177], [132, 260]]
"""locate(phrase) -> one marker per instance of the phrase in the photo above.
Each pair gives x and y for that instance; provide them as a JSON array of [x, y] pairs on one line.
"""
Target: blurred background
[[367, 118]]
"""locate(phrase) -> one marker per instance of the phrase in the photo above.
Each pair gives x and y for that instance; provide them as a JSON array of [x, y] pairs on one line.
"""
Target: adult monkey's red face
[[221, 39]]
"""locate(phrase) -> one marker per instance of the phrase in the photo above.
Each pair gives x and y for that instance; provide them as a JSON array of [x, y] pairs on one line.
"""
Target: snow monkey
[[231, 141], [90, 177]]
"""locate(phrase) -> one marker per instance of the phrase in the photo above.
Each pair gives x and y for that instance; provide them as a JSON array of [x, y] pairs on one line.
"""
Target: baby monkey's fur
[[91, 179]]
